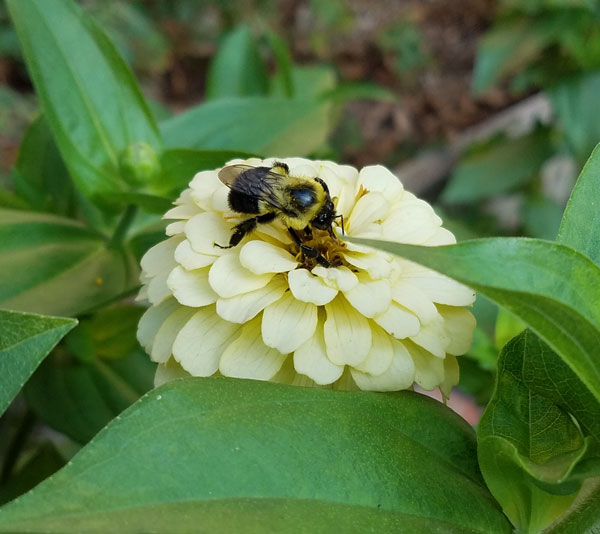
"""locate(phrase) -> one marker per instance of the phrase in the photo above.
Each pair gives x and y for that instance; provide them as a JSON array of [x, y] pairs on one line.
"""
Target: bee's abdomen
[[243, 203]]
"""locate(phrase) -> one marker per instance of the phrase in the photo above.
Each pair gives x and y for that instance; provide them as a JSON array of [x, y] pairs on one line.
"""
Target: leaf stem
[[122, 226]]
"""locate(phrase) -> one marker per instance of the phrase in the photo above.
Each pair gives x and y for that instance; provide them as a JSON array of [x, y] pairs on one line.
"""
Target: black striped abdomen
[[243, 203]]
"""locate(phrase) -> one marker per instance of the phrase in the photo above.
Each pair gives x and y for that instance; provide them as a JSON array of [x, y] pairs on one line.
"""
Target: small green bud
[[139, 163]]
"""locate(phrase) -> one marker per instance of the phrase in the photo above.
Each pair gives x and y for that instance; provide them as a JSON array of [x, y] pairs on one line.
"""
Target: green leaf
[[223, 455], [25, 340], [347, 91], [308, 82], [584, 515], [283, 58], [260, 125], [88, 94], [505, 50], [572, 101], [57, 266], [40, 176], [181, 164], [78, 398], [580, 226], [497, 167], [237, 69], [551, 287], [528, 445]]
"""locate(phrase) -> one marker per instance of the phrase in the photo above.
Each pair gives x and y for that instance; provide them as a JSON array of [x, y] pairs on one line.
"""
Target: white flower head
[[265, 311]]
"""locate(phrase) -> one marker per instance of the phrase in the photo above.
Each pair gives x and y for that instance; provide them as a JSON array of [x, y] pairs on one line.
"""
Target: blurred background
[[488, 109]]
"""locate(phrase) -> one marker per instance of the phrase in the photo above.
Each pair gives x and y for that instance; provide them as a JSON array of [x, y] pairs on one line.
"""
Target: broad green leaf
[[25, 340], [79, 398], [359, 91], [308, 82], [57, 266], [88, 94], [237, 69], [40, 176], [223, 455], [283, 58], [260, 125], [551, 287], [505, 50], [584, 515], [572, 101], [580, 226], [497, 167], [181, 164], [529, 447]]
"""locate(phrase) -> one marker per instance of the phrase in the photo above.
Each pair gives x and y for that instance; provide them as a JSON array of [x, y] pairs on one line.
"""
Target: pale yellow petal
[[152, 320], [460, 325], [311, 359], [347, 333], [158, 290], [429, 370], [310, 288], [203, 185], [399, 375], [168, 371], [260, 257], [439, 288], [413, 223], [370, 297], [380, 356], [340, 278], [182, 211], [175, 228], [206, 229], [378, 265], [159, 258], [191, 288], [249, 357], [378, 178], [288, 375], [242, 308], [433, 337], [441, 237], [228, 277], [187, 257], [369, 209], [162, 348], [201, 342], [414, 300], [398, 321], [220, 200], [451, 375], [288, 323]]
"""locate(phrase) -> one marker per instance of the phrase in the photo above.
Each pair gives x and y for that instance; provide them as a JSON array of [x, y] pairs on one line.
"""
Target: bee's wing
[[228, 174], [268, 187]]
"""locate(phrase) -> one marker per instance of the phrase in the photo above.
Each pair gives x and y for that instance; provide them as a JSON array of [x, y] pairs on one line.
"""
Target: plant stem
[[123, 225]]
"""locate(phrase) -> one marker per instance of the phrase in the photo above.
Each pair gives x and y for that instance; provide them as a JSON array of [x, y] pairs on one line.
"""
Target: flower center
[[331, 249]]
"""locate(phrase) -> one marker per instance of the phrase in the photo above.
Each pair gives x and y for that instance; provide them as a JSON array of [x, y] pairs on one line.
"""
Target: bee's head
[[325, 217]]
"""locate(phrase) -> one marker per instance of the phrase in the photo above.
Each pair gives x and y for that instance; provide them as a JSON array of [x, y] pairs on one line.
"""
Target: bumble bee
[[270, 193]]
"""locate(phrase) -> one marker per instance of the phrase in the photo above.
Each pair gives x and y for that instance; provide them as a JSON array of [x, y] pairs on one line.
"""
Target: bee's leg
[[308, 233], [309, 251], [245, 227]]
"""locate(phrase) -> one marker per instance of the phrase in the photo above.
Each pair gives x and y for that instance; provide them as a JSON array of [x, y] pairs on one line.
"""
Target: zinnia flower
[[262, 310]]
